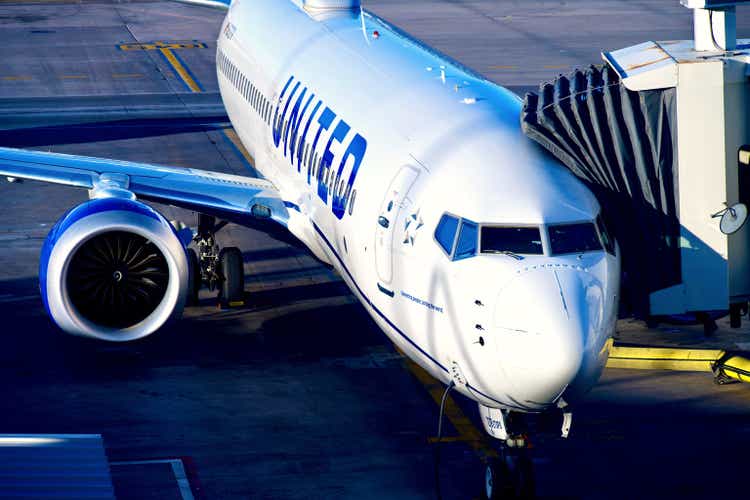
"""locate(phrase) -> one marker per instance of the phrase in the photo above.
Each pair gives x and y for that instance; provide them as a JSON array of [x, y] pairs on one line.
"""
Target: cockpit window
[[607, 240], [574, 238], [445, 233], [515, 240], [467, 241]]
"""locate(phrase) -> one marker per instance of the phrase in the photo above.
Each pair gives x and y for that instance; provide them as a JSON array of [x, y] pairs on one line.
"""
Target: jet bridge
[[659, 135]]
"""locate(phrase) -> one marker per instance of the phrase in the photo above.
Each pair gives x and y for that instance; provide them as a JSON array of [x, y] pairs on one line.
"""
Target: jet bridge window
[[574, 238], [514, 240]]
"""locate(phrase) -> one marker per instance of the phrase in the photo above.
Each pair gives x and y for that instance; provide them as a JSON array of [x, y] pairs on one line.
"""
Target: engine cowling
[[113, 269]]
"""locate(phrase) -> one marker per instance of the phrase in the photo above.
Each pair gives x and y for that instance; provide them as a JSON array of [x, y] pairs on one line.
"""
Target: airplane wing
[[214, 4], [245, 200]]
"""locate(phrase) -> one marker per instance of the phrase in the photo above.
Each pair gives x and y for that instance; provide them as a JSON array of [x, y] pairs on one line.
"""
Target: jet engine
[[113, 269]]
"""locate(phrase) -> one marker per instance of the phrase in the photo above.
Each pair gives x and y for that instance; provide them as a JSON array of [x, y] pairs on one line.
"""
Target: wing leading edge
[[244, 200]]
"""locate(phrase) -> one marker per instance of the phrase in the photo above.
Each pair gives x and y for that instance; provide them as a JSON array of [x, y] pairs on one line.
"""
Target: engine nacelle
[[113, 269]]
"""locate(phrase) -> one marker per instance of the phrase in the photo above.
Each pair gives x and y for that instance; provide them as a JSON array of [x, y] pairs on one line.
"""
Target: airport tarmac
[[298, 394]]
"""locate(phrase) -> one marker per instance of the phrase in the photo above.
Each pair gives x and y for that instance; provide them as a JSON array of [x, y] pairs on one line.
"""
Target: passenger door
[[394, 202]]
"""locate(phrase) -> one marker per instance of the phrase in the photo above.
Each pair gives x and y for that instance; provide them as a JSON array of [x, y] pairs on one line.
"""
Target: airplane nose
[[542, 321]]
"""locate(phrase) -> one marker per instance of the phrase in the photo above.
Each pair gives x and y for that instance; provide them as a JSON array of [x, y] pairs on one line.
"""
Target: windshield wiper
[[506, 252]]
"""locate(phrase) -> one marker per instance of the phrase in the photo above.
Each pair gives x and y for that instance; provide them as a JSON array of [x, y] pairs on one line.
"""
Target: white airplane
[[480, 256]]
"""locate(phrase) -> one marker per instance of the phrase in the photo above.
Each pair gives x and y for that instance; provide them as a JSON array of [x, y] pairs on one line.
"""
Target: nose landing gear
[[510, 475]]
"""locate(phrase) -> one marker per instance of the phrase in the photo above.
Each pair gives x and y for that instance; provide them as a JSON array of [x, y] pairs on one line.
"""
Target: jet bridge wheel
[[232, 289], [511, 475]]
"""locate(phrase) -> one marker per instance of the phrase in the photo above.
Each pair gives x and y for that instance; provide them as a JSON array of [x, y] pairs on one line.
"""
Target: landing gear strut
[[215, 268], [511, 473]]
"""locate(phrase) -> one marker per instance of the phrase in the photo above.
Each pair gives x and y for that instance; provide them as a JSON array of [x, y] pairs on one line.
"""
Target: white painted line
[[178, 470], [182, 480]]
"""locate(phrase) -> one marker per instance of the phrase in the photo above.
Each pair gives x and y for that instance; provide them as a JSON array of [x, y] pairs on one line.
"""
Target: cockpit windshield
[[514, 240], [574, 238]]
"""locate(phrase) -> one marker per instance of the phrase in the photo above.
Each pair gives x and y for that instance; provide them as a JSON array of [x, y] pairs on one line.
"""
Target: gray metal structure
[[41, 466]]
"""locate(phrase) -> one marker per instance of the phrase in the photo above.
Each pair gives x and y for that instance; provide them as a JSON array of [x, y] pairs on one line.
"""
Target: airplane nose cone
[[542, 320]]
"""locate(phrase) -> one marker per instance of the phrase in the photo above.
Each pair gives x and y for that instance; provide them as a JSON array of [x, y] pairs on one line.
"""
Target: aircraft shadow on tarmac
[[83, 133]]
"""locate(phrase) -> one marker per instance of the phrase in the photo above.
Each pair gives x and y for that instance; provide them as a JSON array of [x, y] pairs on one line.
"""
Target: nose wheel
[[511, 475]]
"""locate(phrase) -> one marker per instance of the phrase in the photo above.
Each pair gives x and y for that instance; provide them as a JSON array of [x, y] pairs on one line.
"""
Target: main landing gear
[[511, 473], [217, 269]]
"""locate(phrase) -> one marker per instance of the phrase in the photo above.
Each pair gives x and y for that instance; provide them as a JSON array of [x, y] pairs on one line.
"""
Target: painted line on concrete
[[557, 66], [178, 469], [127, 75], [663, 358], [231, 137], [179, 44], [184, 74], [16, 78], [74, 77], [503, 67], [477, 440]]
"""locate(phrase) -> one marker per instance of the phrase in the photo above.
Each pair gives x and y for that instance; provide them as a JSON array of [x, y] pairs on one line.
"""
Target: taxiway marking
[[127, 75], [234, 140], [178, 469], [181, 70], [189, 44], [467, 432], [166, 50]]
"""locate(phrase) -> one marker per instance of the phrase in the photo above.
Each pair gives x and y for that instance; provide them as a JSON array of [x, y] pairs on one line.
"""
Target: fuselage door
[[394, 201]]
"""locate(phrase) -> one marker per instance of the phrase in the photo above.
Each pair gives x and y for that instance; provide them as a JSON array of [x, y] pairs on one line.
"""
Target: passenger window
[[467, 241], [445, 233], [351, 201]]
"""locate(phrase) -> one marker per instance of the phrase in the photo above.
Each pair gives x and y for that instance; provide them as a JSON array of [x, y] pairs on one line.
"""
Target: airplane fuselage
[[409, 174]]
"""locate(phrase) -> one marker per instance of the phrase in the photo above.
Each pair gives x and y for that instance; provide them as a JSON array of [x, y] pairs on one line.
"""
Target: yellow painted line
[[128, 75], [662, 358], [181, 71], [74, 77], [447, 439], [15, 78], [232, 136], [163, 45], [467, 432], [503, 67], [237, 303], [559, 66]]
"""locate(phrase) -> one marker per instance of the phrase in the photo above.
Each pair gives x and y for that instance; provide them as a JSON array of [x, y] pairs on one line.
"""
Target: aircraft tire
[[232, 290], [510, 476], [194, 278]]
